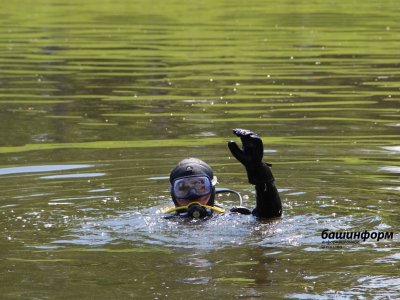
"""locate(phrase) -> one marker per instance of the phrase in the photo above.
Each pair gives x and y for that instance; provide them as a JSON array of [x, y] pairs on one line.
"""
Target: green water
[[100, 99]]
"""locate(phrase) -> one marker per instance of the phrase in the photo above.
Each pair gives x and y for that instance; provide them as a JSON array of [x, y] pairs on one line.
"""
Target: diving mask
[[192, 186]]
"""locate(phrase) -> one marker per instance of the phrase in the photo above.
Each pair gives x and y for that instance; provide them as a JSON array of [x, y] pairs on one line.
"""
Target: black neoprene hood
[[191, 167]]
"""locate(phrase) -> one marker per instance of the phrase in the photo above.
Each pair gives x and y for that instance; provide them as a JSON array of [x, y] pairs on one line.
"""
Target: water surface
[[99, 100]]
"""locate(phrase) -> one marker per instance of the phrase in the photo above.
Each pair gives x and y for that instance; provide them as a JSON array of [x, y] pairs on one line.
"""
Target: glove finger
[[251, 138], [236, 152], [242, 132], [247, 136], [256, 141], [253, 147], [256, 148], [254, 135]]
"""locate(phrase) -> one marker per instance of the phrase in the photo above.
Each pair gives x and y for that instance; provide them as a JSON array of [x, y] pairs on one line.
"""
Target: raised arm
[[268, 202]]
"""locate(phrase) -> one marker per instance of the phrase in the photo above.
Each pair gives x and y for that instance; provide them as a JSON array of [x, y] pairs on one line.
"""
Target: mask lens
[[188, 186]]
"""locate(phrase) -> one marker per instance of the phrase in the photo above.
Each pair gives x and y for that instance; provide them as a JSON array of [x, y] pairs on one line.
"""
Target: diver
[[193, 183]]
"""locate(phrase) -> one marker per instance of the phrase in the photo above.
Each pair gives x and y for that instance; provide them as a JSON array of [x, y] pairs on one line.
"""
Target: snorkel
[[198, 210], [195, 210]]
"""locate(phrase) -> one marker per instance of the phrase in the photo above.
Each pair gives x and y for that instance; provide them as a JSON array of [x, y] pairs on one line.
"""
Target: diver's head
[[192, 180]]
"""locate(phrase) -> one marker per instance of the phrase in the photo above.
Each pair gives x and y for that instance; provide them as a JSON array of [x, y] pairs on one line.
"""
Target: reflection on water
[[99, 100], [37, 169]]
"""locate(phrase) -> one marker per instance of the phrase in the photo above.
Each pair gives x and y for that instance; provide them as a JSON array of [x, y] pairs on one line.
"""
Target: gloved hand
[[251, 156]]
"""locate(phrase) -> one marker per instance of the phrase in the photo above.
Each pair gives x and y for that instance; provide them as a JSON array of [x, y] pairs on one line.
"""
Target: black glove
[[251, 156]]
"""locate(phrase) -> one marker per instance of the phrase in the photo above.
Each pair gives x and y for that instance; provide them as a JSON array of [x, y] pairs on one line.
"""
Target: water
[[99, 100]]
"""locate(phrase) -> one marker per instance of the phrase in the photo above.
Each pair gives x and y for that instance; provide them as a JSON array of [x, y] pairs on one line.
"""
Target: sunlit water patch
[[150, 227], [40, 169]]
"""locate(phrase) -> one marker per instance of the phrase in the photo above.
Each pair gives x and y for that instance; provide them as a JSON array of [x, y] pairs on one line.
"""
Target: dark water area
[[99, 100]]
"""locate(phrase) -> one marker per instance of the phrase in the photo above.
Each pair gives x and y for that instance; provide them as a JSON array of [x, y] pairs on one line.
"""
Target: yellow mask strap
[[214, 208]]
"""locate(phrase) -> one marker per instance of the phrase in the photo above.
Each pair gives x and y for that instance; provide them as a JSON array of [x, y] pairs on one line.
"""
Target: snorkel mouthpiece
[[197, 211]]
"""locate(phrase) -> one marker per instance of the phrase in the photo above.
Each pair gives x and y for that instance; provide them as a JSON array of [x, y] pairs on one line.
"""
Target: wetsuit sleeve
[[268, 202]]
